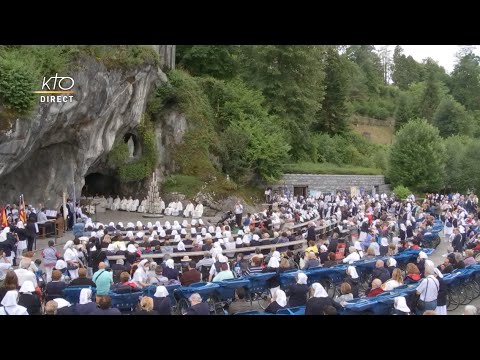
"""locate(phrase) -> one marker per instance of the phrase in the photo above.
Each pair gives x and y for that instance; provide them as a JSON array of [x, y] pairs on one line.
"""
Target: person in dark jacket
[[169, 270], [353, 280], [298, 292], [332, 260], [146, 307], [380, 272], [161, 301], [457, 241], [54, 288], [29, 299], [442, 294], [192, 275], [316, 304], [85, 305], [82, 279], [279, 302], [311, 232], [332, 245], [446, 267], [197, 307], [104, 307]]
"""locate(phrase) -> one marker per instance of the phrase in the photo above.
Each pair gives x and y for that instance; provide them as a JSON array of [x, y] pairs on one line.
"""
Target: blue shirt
[[103, 279]]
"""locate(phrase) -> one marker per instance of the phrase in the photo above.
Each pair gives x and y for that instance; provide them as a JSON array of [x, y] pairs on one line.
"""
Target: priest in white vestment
[[143, 206], [116, 203], [188, 210], [109, 202], [134, 205], [171, 207], [124, 204], [198, 212]]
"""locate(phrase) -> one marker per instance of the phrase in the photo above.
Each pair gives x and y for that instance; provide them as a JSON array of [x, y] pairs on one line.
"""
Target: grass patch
[[184, 184], [326, 168]]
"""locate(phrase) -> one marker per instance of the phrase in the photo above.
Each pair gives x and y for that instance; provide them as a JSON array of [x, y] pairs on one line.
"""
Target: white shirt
[[24, 275], [429, 293], [351, 258], [4, 266], [140, 276]]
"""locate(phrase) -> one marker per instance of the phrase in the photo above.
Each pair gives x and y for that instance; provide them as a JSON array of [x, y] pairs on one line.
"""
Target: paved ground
[[116, 216]]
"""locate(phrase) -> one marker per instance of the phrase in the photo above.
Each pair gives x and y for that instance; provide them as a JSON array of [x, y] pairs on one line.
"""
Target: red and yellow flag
[[22, 215], [3, 219]]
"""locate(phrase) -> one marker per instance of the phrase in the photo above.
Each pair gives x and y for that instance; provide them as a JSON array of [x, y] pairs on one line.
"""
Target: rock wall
[[40, 156], [332, 183]]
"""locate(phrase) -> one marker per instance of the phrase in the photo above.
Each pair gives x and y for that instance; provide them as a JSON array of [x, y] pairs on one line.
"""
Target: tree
[[451, 118], [384, 54], [455, 149], [404, 112], [405, 70], [366, 57], [332, 118], [465, 81], [417, 157], [290, 77], [218, 61], [431, 97]]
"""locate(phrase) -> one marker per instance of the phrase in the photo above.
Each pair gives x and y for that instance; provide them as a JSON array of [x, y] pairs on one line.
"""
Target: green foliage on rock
[[417, 157]]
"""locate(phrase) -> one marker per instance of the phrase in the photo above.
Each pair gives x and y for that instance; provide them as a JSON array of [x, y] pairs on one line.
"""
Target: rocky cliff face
[[41, 156]]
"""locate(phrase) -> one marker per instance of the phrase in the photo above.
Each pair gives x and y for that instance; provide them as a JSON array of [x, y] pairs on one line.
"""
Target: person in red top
[[413, 274], [125, 285], [376, 288]]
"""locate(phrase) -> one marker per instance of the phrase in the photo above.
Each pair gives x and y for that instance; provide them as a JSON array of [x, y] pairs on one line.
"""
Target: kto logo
[[60, 85]]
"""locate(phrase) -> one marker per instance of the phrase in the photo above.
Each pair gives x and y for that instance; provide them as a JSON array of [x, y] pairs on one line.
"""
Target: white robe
[[123, 204], [116, 204], [134, 205], [171, 207], [198, 212], [143, 206], [129, 205], [109, 202], [188, 210]]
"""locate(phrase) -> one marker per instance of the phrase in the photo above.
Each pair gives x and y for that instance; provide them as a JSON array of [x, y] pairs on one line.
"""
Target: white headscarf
[[119, 224], [181, 246], [200, 221], [239, 241], [60, 265], [391, 262], [131, 248], [141, 264], [162, 233], [27, 287], [139, 224], [111, 224], [217, 229], [240, 232], [130, 225], [177, 238], [111, 247], [167, 225], [61, 302], [281, 298], [352, 272], [169, 263], [176, 225], [203, 231], [402, 227], [273, 263], [85, 296], [158, 225], [276, 254], [302, 278], [121, 246], [319, 291], [422, 255], [174, 233], [10, 304], [140, 234], [384, 241], [129, 234], [211, 229], [429, 263], [68, 245], [149, 225], [438, 273], [183, 232], [185, 223], [401, 304], [161, 292]]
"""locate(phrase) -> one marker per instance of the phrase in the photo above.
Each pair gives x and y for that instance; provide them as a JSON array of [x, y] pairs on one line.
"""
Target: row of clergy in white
[[175, 208]]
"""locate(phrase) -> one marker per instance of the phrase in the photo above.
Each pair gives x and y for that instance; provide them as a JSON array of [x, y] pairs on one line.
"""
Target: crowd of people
[[379, 226]]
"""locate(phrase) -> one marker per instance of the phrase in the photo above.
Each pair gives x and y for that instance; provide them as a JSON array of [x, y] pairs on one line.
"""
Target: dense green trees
[[417, 157]]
